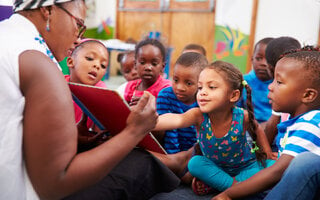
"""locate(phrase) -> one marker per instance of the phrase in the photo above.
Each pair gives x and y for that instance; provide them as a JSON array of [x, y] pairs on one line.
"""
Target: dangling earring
[[48, 24]]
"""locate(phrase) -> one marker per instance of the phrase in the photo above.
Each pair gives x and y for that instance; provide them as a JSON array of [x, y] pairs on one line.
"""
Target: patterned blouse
[[230, 152]]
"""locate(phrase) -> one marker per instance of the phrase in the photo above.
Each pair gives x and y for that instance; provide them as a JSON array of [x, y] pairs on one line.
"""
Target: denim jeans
[[301, 179]]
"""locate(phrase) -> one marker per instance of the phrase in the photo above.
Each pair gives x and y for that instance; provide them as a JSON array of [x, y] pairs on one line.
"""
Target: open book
[[109, 111]]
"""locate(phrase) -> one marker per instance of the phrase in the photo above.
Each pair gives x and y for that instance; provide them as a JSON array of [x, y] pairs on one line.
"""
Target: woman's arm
[[171, 121], [50, 133], [261, 181]]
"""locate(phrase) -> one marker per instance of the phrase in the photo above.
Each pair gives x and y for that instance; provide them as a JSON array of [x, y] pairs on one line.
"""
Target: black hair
[[278, 46], [309, 56], [192, 59], [122, 54], [263, 41], [153, 42], [84, 43], [234, 77], [195, 47]]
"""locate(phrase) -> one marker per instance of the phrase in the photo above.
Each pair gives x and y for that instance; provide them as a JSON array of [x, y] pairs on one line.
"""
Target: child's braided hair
[[235, 79]]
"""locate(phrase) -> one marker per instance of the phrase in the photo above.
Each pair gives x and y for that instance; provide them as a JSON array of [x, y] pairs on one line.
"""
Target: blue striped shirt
[[178, 139], [300, 134]]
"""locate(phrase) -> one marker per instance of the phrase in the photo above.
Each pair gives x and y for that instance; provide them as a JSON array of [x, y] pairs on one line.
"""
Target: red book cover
[[109, 111]]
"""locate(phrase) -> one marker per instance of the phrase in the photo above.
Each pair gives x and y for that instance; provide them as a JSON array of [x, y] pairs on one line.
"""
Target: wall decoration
[[100, 22], [232, 30]]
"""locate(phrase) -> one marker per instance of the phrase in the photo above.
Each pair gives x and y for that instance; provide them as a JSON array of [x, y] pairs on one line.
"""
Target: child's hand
[[143, 116], [82, 126], [272, 155], [221, 196], [134, 101]]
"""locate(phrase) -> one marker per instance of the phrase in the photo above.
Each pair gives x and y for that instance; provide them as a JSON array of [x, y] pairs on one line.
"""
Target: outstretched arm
[[261, 181], [50, 132], [171, 121]]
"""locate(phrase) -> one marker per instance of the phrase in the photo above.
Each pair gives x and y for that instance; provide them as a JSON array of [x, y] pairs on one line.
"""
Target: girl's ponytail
[[252, 127]]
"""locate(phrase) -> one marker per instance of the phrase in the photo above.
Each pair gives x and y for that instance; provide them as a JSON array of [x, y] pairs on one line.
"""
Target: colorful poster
[[232, 29], [101, 18]]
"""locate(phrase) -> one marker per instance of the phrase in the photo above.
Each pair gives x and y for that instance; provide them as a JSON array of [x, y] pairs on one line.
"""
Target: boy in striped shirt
[[179, 98], [295, 90]]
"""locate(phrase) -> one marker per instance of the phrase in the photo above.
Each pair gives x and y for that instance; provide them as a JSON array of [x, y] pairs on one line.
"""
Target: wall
[[177, 29], [296, 18], [5, 9]]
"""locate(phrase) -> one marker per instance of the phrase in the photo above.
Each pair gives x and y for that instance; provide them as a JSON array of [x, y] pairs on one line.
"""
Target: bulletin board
[[233, 24]]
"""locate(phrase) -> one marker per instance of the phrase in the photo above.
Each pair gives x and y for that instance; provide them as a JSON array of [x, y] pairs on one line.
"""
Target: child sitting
[[295, 90], [194, 48], [275, 49], [150, 63], [181, 97], [87, 65], [129, 72], [259, 79], [227, 156]]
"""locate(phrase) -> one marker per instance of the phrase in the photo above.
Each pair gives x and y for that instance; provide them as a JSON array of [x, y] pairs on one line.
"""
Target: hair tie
[[244, 83], [256, 148]]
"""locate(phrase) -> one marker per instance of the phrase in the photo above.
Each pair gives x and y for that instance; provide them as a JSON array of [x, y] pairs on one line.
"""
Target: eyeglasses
[[80, 23]]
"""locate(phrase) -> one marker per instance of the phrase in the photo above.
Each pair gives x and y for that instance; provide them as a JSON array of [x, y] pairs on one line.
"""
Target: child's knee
[[193, 165]]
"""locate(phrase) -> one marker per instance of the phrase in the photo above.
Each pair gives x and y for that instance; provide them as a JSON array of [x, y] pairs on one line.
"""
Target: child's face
[[149, 63], [127, 67], [288, 86], [185, 83], [259, 63], [89, 64], [213, 91]]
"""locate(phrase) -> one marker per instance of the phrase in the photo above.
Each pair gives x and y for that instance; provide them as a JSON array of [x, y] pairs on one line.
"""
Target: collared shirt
[[300, 134]]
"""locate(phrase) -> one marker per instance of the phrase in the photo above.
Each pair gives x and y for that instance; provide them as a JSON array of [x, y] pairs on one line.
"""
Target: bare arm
[[50, 133], [171, 121], [261, 181], [271, 128]]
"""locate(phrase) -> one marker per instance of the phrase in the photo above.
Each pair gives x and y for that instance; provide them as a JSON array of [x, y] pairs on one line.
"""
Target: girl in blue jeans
[[227, 157]]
